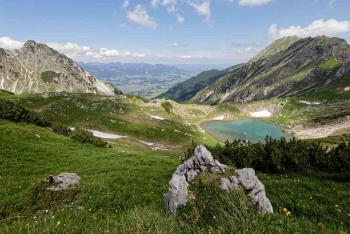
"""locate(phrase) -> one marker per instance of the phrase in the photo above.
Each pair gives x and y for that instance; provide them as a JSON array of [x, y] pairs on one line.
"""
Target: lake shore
[[302, 132]]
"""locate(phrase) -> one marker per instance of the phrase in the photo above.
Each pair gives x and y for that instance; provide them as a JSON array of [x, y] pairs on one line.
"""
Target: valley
[[125, 148]]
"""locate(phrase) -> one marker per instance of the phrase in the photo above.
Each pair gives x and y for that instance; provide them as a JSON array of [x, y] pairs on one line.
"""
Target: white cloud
[[108, 53], [319, 27], [125, 4], [174, 44], [180, 19], [253, 2], [140, 16], [10, 44], [71, 49], [202, 7]]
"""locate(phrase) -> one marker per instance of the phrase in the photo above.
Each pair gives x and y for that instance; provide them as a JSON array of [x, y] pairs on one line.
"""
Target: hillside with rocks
[[290, 66], [37, 68]]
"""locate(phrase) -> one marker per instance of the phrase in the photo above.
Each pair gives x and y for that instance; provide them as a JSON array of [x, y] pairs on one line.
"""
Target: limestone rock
[[185, 173], [246, 179], [64, 181]]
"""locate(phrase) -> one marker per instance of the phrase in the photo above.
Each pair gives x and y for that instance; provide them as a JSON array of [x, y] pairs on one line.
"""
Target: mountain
[[187, 89], [148, 80], [37, 68], [290, 66]]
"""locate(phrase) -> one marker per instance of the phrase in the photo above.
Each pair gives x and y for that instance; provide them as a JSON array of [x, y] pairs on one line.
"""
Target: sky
[[167, 31]]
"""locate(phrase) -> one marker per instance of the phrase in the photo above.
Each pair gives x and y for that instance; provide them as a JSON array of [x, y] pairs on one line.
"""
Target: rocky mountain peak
[[289, 66], [37, 68]]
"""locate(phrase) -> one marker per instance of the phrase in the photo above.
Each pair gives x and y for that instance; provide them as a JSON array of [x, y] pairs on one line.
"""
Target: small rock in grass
[[63, 181]]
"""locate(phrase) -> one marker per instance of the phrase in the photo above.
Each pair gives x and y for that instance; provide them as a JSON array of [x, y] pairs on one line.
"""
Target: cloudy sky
[[167, 31]]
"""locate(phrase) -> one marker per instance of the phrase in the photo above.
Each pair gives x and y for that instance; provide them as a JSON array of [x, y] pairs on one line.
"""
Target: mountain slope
[[187, 89], [289, 67], [37, 68]]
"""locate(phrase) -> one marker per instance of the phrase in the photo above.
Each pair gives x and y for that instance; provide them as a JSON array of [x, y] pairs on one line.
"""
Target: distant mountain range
[[148, 80], [37, 68], [290, 66]]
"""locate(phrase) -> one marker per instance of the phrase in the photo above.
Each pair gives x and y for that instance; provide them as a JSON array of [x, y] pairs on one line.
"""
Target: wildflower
[[336, 206], [285, 210], [289, 213]]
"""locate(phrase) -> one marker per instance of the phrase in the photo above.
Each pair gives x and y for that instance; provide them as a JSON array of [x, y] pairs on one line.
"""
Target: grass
[[122, 190], [120, 114], [330, 64], [49, 76]]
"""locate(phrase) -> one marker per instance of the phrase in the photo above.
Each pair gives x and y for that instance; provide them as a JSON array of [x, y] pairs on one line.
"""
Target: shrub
[[213, 208], [87, 137], [61, 130], [14, 112], [281, 156], [167, 106]]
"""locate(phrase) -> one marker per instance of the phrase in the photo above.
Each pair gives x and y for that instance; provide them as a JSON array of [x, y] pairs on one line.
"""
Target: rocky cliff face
[[290, 66], [37, 68]]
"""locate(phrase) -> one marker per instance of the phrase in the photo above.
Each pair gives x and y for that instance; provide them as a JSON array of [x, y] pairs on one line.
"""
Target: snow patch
[[221, 117], [260, 114], [100, 134], [146, 143], [104, 135], [156, 117], [310, 103]]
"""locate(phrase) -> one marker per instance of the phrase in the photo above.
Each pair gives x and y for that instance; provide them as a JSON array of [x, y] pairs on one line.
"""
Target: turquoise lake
[[254, 130]]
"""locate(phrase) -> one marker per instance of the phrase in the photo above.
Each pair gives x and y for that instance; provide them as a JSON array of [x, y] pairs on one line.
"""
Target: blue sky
[[167, 31]]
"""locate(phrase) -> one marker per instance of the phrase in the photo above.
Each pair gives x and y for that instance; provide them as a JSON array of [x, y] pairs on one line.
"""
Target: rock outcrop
[[37, 68], [63, 181], [202, 160], [246, 179]]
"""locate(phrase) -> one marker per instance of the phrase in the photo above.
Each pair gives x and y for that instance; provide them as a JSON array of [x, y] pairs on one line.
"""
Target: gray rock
[[186, 173], [64, 181], [247, 180]]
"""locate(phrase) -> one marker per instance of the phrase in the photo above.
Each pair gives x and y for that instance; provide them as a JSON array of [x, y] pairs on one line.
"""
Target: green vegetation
[[120, 114], [49, 76], [330, 65], [87, 137], [282, 156], [184, 91], [11, 111], [122, 192], [167, 106]]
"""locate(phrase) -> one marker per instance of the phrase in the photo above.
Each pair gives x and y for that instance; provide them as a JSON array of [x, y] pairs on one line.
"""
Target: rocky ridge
[[37, 68]]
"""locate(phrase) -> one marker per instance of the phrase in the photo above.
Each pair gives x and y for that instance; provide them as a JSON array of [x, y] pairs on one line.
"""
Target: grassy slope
[[122, 115], [122, 190]]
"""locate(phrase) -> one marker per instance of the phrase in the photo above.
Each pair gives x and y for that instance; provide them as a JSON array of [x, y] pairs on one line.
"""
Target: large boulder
[[202, 160], [63, 181], [246, 179]]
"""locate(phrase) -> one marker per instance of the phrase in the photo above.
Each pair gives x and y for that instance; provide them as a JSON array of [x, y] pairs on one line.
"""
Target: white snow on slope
[[221, 117], [260, 114], [156, 117]]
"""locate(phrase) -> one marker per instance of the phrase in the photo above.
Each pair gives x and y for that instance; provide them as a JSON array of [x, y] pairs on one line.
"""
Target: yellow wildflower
[[285, 210], [289, 213]]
